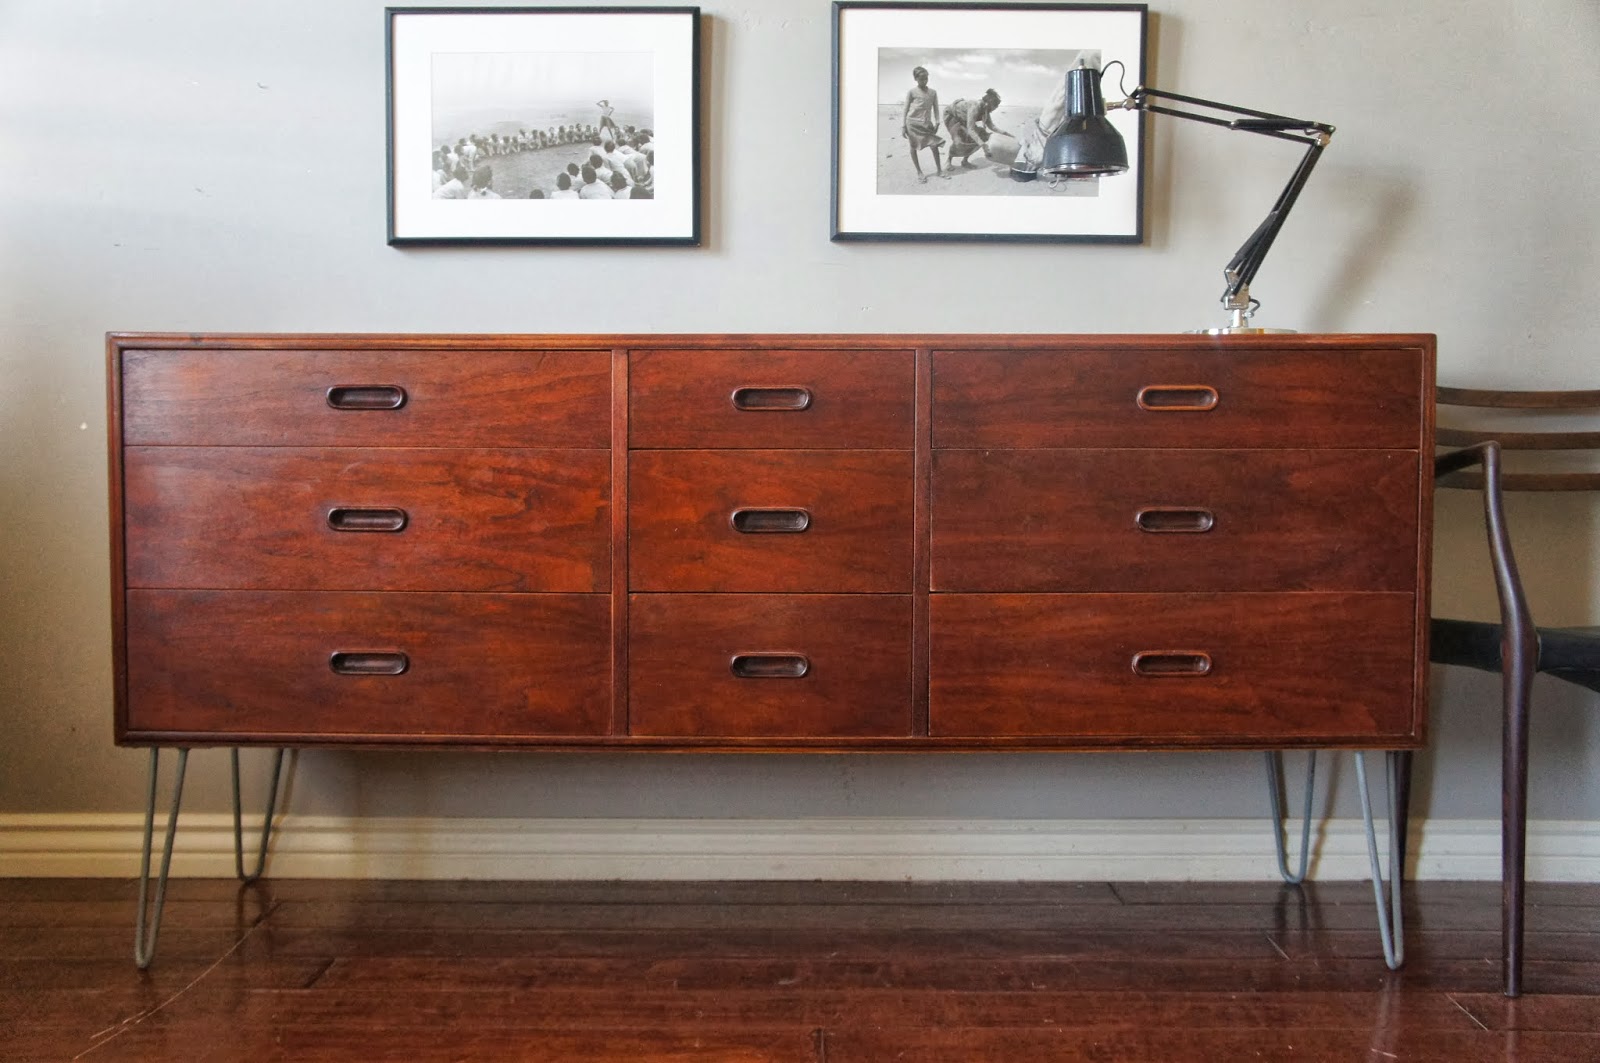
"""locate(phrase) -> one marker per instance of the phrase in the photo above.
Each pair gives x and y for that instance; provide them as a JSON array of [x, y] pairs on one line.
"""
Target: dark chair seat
[[1569, 653]]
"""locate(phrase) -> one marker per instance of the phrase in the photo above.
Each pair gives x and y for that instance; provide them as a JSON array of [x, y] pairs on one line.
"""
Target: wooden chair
[[1514, 647]]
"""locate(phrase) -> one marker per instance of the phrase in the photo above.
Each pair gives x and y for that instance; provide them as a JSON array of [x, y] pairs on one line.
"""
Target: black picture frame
[[496, 100], [875, 193]]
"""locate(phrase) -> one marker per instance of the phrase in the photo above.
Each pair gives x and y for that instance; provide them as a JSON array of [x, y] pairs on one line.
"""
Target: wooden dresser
[[771, 542]]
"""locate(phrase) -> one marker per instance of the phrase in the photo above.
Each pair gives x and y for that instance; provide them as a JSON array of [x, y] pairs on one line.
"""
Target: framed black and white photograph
[[544, 125], [941, 111]]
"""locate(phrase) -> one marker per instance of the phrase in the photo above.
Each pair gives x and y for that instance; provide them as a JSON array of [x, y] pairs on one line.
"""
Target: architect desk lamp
[[1086, 144]]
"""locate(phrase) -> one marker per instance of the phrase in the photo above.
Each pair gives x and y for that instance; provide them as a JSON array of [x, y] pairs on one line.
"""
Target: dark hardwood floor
[[753, 972]]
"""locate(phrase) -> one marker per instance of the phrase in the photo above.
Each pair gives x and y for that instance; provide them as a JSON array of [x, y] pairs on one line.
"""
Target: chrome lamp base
[[1241, 308]]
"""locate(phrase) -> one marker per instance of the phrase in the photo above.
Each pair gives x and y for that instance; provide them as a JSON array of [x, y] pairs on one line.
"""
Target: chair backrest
[[1521, 439]]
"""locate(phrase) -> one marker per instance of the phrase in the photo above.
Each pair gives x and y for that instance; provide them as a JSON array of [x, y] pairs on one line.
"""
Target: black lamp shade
[[1085, 144]]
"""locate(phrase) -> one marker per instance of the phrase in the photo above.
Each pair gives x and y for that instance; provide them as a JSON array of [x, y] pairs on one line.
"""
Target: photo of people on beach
[[543, 126], [972, 122], [942, 113], [536, 114]]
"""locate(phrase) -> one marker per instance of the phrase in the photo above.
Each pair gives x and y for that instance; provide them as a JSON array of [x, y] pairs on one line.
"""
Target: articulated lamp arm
[[1241, 269], [1086, 144]]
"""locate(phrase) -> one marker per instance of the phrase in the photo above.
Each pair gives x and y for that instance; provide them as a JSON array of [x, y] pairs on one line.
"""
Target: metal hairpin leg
[[1274, 782], [144, 947], [147, 927], [1391, 919], [266, 824]]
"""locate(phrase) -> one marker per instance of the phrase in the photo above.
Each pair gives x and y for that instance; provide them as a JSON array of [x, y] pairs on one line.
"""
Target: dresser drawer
[[367, 667], [775, 520], [771, 399], [1174, 520], [1183, 397], [391, 519], [367, 398], [766, 666], [1176, 669]]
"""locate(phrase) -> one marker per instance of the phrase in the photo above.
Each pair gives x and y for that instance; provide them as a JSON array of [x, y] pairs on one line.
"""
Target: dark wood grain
[[476, 520], [115, 526], [922, 544], [1334, 666], [681, 537], [225, 439], [1520, 400], [683, 1042], [508, 398], [412, 1006], [1174, 1045], [859, 398], [1526, 481], [744, 971], [1064, 520], [619, 542], [858, 648], [256, 663], [1538, 473], [1079, 396], [1466, 437], [1421, 669]]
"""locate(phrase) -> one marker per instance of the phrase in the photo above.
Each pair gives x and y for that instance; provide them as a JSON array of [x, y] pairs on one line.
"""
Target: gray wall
[[201, 165]]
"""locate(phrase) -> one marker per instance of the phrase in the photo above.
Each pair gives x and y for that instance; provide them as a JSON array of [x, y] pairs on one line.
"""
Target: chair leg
[[1513, 824], [1274, 759], [1391, 916], [266, 825], [144, 942], [1519, 663]]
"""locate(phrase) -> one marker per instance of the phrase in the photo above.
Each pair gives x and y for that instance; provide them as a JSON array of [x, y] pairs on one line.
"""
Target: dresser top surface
[[764, 340]]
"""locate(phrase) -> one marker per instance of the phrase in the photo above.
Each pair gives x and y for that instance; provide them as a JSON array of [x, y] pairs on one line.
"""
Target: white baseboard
[[843, 849]]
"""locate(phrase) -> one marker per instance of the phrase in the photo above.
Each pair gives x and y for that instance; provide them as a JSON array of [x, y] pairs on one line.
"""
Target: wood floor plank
[[118, 974], [787, 972], [956, 974], [427, 1008], [244, 911], [441, 915], [458, 1044], [1265, 890], [74, 889], [1433, 894], [971, 945], [110, 943], [1452, 944], [1204, 1046], [1184, 1046], [765, 893], [1564, 1014]]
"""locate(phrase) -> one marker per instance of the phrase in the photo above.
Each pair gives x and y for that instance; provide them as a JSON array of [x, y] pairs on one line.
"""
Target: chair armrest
[[1485, 454]]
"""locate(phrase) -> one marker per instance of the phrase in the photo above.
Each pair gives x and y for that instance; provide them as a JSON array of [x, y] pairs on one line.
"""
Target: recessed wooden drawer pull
[[1180, 520], [367, 397], [771, 399], [348, 519], [350, 663], [770, 665], [1171, 664], [1177, 398], [770, 521]]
